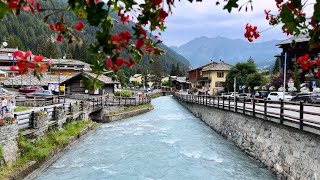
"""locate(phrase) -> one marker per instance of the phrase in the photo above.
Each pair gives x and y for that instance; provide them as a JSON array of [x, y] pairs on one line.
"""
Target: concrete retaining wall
[[116, 117], [290, 153]]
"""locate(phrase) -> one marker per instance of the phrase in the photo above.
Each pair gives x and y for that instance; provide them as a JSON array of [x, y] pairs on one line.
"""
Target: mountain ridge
[[202, 50]]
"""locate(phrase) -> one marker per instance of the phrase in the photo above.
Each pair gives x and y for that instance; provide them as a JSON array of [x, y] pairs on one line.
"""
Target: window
[[81, 83], [220, 74], [219, 84]]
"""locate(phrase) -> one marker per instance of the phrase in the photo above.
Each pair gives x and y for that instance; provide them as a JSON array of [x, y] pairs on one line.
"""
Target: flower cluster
[[26, 5], [118, 63], [7, 120], [25, 63], [305, 62], [125, 19], [251, 33]]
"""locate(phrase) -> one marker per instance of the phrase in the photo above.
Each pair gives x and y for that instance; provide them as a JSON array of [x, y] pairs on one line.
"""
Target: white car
[[276, 96]]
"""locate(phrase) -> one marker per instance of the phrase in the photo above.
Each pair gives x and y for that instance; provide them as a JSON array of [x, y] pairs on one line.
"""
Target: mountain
[[29, 32], [201, 50]]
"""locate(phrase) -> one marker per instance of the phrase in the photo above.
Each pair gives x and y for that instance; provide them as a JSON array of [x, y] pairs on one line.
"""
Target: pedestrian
[[11, 107], [4, 104]]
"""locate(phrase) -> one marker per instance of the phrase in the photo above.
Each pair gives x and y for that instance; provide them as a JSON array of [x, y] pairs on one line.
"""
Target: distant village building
[[7, 60], [181, 83], [67, 66], [137, 78], [209, 78], [296, 47], [194, 75], [216, 77]]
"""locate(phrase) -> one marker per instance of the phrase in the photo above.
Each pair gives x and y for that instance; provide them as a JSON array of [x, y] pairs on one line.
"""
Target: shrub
[[124, 93]]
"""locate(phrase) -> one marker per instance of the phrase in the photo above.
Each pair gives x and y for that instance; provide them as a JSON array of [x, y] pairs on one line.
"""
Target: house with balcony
[[213, 77], [7, 60], [67, 66], [195, 76]]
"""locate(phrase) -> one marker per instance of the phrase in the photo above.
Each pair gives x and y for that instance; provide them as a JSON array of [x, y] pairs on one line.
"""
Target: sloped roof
[[299, 38], [212, 62], [69, 62], [218, 67], [27, 80], [102, 78], [181, 79]]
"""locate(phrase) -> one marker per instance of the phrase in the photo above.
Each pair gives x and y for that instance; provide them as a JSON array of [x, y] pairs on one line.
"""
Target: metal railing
[[300, 113]]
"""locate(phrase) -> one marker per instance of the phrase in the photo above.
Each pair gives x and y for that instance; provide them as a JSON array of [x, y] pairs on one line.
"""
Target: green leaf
[[231, 4], [3, 9]]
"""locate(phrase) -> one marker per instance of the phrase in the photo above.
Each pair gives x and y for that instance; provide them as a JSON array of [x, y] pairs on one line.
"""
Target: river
[[166, 143]]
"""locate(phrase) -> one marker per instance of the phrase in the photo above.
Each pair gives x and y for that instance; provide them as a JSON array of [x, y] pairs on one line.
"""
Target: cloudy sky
[[192, 20]]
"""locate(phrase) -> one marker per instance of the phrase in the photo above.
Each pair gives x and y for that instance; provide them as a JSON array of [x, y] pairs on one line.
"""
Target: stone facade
[[289, 152], [9, 144], [40, 122]]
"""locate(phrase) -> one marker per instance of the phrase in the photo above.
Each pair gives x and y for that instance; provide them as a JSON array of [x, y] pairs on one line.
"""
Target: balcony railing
[[204, 79]]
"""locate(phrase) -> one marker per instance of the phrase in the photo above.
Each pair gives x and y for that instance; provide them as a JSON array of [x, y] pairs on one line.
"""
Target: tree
[[255, 79], [173, 71], [276, 66], [241, 71]]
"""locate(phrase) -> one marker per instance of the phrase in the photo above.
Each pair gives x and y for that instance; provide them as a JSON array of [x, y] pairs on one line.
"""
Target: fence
[[38, 101], [26, 120], [299, 113]]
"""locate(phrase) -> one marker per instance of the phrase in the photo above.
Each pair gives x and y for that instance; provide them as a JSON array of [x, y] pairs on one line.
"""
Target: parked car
[[41, 94], [307, 97], [30, 89], [245, 95], [262, 94], [275, 96]]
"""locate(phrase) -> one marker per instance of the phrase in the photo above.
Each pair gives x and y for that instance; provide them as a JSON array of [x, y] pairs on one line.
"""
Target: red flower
[[37, 58], [119, 62], [251, 33], [38, 6], [124, 37], [79, 26], [14, 68], [318, 62], [95, 1], [1, 122], [51, 27], [157, 2], [109, 64], [13, 4], [139, 43], [163, 14], [21, 54], [59, 26], [59, 38], [318, 73]]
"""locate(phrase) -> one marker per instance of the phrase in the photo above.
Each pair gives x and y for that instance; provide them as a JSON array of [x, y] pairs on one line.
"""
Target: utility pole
[[234, 90], [284, 75]]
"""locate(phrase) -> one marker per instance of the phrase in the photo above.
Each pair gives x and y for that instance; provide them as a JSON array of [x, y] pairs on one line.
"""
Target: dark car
[[41, 94], [30, 89], [307, 97], [262, 94]]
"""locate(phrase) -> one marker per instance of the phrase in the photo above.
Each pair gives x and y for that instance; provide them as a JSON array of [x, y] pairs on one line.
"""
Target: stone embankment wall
[[115, 117], [289, 152]]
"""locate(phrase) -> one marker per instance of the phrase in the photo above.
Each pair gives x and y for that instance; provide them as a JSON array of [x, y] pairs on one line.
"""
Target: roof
[[25, 80], [218, 67], [102, 78], [181, 79], [8, 50], [299, 38], [212, 62], [69, 62]]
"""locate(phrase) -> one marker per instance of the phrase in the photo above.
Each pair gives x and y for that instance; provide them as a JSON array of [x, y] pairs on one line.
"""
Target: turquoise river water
[[166, 143]]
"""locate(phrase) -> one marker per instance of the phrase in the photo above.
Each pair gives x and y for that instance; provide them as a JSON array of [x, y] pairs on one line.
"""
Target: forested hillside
[[29, 32]]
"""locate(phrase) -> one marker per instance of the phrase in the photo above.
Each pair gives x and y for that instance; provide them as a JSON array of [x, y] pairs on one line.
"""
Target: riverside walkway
[[166, 143]]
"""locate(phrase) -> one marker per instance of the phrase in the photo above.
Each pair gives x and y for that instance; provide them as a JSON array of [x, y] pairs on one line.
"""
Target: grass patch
[[1, 152], [131, 108], [39, 150], [21, 108]]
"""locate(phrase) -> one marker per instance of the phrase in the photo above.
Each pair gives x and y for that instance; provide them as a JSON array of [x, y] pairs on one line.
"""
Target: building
[[67, 66], [195, 77], [181, 83], [300, 48], [75, 84], [137, 79], [214, 77], [7, 60]]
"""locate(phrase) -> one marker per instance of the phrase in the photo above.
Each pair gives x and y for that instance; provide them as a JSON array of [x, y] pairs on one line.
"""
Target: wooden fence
[[299, 113], [25, 119]]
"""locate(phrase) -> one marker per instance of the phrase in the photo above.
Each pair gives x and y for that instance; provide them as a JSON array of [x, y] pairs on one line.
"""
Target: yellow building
[[136, 78], [213, 77]]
